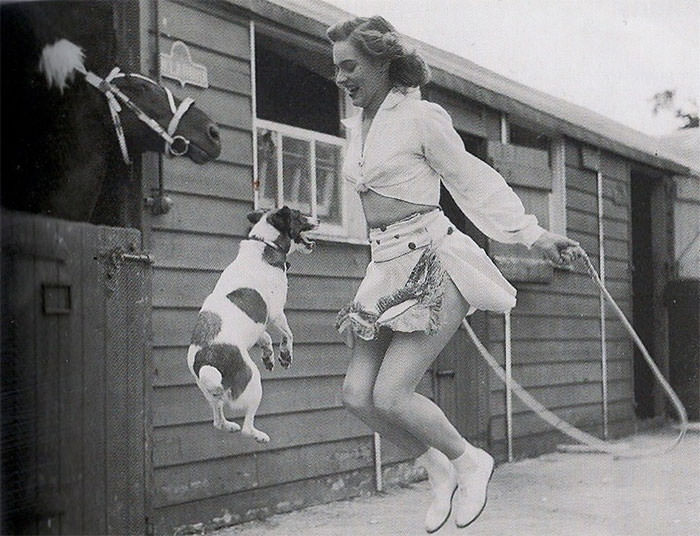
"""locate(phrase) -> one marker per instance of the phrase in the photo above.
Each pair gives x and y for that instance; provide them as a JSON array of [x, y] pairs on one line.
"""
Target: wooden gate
[[76, 375]]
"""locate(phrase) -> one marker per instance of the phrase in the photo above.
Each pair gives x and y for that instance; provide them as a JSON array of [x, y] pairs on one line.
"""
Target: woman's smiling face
[[364, 78]]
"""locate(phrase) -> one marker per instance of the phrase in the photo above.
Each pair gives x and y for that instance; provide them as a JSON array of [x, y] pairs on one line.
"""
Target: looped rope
[[176, 145], [596, 444]]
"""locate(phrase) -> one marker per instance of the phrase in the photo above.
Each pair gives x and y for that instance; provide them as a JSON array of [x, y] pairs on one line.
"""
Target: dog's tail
[[210, 379]]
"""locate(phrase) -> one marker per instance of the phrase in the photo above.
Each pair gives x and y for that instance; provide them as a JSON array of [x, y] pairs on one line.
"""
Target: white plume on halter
[[59, 62]]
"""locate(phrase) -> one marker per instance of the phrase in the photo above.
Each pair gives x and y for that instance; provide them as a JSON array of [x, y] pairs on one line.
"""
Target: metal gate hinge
[[114, 258], [138, 257], [117, 255]]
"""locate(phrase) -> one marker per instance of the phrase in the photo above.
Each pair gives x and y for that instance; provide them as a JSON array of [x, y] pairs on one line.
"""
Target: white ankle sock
[[467, 461]]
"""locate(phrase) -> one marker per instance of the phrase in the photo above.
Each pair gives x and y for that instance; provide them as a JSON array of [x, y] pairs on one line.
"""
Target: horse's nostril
[[214, 132]]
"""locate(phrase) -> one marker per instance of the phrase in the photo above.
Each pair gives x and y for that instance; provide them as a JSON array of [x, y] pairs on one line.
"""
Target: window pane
[[267, 168], [295, 165], [328, 162], [311, 101]]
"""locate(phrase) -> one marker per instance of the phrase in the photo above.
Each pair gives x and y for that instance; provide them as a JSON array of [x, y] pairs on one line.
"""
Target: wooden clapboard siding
[[223, 476], [549, 440], [556, 351], [570, 372], [187, 288], [586, 416], [216, 179], [173, 327], [262, 502], [568, 394], [184, 405], [467, 115], [556, 347], [199, 441]]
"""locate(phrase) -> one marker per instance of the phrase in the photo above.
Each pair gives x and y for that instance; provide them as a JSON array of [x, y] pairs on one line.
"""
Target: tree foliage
[[687, 111]]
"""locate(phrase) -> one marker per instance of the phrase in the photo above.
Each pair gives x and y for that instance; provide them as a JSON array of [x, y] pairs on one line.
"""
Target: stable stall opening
[[650, 253], [45, 131]]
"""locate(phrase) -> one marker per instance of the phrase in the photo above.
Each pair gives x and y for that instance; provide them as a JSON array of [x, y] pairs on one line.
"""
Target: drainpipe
[[601, 270], [509, 391], [378, 462], [254, 107], [505, 138]]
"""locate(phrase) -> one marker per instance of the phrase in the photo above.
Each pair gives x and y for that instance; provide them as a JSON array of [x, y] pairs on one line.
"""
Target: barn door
[[75, 377]]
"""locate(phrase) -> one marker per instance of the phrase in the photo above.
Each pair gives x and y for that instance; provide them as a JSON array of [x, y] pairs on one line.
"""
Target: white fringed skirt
[[404, 283]]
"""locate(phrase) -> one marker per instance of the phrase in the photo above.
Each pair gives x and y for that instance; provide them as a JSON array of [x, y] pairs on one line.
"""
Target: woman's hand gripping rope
[[559, 250]]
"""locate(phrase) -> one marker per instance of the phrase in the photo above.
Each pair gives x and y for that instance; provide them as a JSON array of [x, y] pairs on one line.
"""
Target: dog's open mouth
[[302, 239], [308, 244]]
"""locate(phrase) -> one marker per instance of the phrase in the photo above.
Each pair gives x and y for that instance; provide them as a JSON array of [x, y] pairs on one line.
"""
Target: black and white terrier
[[249, 295]]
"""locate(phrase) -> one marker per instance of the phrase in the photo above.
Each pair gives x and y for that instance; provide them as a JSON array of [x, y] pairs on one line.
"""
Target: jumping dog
[[249, 295]]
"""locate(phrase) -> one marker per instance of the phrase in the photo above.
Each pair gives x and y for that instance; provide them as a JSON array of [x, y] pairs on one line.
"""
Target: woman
[[425, 275]]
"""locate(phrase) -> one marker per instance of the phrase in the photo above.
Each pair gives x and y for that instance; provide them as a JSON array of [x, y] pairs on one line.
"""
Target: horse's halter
[[175, 145]]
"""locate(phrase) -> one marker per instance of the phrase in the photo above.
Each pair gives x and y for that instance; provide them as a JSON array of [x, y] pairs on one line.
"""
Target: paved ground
[[561, 494]]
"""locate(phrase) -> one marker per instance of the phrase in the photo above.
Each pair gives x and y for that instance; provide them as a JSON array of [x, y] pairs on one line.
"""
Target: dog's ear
[[254, 217], [280, 219]]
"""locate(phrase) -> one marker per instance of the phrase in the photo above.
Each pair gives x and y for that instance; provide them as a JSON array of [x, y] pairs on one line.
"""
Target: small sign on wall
[[179, 66]]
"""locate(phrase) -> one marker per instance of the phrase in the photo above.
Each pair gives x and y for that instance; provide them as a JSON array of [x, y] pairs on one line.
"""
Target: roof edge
[[467, 78]]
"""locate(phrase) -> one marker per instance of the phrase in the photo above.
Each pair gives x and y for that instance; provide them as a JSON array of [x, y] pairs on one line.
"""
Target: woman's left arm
[[481, 192]]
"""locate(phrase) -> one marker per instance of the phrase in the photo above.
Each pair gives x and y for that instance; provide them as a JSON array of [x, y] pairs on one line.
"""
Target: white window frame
[[280, 131]]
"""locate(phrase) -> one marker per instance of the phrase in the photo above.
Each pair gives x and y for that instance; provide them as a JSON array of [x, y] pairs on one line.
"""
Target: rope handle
[[596, 444]]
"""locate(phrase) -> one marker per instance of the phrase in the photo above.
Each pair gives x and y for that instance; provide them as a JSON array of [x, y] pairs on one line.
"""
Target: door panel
[[76, 368]]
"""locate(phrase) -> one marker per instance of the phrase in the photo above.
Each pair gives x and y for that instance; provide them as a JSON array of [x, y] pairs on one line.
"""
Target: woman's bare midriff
[[381, 210]]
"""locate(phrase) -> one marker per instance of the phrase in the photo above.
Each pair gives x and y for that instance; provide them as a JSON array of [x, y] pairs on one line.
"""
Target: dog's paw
[[259, 436], [285, 358], [227, 426], [269, 363]]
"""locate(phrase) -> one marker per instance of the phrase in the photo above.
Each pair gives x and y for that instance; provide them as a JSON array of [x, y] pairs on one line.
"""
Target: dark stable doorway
[[642, 291]]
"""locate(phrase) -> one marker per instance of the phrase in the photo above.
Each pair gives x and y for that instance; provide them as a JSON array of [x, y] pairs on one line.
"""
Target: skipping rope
[[593, 443]]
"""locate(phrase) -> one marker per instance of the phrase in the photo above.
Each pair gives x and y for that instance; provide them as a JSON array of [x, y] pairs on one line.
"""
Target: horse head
[[196, 134], [66, 158]]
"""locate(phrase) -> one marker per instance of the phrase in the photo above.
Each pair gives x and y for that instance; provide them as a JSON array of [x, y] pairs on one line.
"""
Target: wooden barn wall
[[318, 451], [556, 347]]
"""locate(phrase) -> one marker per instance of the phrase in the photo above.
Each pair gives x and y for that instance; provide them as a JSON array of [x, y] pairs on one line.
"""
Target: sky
[[610, 56]]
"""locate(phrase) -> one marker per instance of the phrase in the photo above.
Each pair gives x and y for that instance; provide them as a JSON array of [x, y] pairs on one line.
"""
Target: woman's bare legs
[[407, 358], [380, 389], [358, 390]]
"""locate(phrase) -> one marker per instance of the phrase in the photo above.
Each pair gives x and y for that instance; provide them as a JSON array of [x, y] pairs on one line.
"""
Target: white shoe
[[474, 470], [443, 482]]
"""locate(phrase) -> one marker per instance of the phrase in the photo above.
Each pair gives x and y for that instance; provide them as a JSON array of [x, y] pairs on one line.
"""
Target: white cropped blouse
[[411, 146]]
